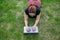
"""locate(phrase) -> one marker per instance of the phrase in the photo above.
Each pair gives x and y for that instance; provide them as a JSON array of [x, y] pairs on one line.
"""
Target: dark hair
[[32, 9]]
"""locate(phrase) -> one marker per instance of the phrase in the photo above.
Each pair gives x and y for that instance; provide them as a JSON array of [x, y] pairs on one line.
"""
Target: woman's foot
[[27, 29]]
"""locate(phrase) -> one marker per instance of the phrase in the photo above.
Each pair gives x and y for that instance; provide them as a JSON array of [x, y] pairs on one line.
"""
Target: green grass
[[12, 20]]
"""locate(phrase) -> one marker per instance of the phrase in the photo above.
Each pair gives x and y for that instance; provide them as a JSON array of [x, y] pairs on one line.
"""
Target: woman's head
[[32, 9]]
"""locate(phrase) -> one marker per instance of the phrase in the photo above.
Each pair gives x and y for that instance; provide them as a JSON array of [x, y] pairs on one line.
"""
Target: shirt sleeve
[[26, 11], [38, 11]]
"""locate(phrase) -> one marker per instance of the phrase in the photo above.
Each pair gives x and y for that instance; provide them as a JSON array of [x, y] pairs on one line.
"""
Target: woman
[[33, 11]]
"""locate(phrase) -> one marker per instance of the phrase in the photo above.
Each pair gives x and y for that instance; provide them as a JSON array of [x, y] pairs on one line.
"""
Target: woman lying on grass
[[32, 11]]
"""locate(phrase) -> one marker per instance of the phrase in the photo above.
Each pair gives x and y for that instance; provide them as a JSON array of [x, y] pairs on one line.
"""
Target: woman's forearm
[[26, 23], [36, 22], [26, 19]]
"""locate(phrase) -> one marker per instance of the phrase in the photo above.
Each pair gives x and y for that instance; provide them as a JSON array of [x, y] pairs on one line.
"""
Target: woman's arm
[[37, 20], [26, 19]]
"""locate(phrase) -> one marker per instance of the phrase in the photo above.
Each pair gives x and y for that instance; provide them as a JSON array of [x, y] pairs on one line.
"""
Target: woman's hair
[[32, 9]]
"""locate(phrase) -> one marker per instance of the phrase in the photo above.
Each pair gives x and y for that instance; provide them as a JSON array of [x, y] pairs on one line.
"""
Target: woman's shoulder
[[26, 11], [38, 10]]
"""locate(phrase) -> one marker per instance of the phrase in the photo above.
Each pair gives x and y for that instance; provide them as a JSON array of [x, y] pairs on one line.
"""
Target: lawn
[[12, 20]]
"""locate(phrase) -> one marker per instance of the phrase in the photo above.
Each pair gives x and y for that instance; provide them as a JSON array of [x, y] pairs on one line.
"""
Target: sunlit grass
[[12, 20]]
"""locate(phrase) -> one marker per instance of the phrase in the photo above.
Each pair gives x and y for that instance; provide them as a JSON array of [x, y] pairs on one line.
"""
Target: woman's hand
[[27, 29], [34, 28]]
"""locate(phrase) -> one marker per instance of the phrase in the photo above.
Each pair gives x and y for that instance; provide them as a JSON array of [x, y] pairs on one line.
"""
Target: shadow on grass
[[31, 37], [31, 21]]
